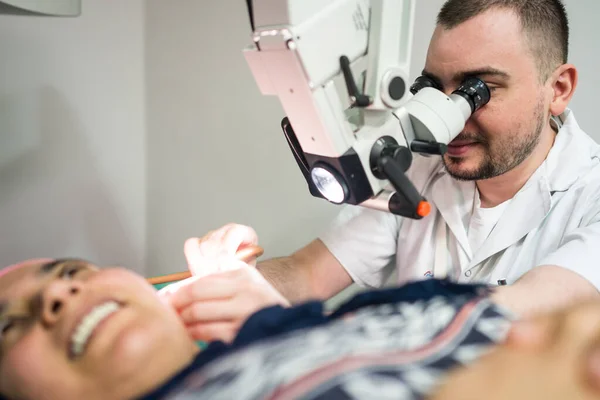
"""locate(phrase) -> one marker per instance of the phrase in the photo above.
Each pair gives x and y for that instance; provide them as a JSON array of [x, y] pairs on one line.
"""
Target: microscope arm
[[340, 70]]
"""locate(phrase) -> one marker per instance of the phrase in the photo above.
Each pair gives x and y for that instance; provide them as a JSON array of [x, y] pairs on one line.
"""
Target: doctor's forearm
[[545, 289], [311, 273], [287, 277]]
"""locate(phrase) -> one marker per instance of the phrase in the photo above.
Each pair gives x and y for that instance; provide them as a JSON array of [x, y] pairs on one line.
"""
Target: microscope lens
[[475, 91]]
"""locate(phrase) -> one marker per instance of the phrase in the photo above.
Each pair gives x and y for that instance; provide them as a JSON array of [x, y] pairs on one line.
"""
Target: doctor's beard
[[500, 154]]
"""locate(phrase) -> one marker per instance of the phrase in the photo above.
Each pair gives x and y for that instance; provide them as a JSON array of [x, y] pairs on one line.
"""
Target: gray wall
[[585, 54], [216, 153], [215, 150], [138, 124], [72, 135]]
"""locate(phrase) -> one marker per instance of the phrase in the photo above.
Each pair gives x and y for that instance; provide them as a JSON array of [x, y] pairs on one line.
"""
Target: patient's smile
[[87, 325]]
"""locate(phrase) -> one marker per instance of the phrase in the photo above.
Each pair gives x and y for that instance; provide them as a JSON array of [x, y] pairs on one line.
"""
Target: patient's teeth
[[85, 328]]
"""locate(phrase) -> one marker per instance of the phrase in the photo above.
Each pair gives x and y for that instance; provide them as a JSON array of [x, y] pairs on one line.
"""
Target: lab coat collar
[[525, 211], [571, 155], [454, 201]]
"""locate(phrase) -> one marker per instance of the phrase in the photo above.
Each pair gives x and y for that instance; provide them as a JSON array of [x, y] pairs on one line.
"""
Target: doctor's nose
[[55, 298], [470, 126]]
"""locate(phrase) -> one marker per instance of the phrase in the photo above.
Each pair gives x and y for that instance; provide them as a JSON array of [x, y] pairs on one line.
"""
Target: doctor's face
[[72, 331], [503, 133]]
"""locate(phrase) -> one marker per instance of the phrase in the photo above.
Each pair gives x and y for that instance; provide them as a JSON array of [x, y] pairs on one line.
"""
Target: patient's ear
[[562, 84]]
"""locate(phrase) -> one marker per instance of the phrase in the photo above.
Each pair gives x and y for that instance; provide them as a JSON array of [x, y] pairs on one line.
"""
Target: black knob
[[358, 99], [397, 88], [423, 82], [423, 147]]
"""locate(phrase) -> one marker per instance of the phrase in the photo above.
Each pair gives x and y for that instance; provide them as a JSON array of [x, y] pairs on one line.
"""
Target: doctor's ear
[[562, 83]]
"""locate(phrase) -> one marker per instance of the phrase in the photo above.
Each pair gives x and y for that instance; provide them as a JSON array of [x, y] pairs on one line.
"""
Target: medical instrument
[[246, 254], [340, 70]]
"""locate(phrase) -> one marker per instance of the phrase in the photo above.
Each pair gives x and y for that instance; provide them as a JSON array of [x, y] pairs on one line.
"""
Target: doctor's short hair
[[545, 23]]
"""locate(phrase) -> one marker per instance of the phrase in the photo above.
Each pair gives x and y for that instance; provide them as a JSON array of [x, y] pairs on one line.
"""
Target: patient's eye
[[13, 326], [6, 326], [70, 271]]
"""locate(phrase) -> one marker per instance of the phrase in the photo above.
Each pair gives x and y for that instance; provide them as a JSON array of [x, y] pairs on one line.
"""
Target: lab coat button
[[468, 274]]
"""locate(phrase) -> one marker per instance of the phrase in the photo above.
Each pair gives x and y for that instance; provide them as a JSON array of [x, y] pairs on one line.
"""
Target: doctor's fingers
[[202, 289], [238, 236], [216, 245], [211, 331], [233, 309], [228, 239], [202, 263], [235, 278]]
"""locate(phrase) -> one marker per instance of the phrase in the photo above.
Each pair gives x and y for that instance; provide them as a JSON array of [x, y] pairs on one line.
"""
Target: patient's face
[[73, 331]]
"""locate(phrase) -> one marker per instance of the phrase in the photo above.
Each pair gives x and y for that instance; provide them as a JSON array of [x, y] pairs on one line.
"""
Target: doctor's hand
[[212, 252], [215, 306], [223, 291]]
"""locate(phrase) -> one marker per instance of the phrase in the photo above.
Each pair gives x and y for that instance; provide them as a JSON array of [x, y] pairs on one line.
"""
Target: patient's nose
[[55, 298]]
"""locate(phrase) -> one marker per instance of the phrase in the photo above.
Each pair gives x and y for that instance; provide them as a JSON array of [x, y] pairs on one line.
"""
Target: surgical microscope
[[340, 70]]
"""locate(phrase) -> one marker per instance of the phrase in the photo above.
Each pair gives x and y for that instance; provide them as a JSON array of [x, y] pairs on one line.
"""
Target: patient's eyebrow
[[50, 266]]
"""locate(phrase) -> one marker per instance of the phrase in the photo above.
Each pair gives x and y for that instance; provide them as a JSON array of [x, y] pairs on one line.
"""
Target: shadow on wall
[[53, 202]]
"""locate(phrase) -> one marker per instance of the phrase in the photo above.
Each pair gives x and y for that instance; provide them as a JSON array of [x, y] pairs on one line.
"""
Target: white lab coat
[[553, 220]]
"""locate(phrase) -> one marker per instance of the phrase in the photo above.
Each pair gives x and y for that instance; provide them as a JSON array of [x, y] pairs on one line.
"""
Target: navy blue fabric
[[409, 293], [277, 320]]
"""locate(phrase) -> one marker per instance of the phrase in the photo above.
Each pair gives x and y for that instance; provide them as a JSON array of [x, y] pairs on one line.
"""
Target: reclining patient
[[72, 331]]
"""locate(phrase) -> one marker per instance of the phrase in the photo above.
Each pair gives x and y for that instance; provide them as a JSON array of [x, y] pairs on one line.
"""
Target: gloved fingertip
[[193, 255], [191, 243]]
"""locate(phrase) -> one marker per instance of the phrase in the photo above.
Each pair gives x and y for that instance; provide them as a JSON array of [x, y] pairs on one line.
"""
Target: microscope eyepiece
[[475, 92], [423, 82]]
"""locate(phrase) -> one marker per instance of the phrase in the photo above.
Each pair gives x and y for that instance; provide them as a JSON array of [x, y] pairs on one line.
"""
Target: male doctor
[[515, 200]]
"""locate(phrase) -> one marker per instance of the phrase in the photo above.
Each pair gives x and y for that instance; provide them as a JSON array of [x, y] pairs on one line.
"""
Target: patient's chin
[[146, 355], [137, 342], [124, 341]]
